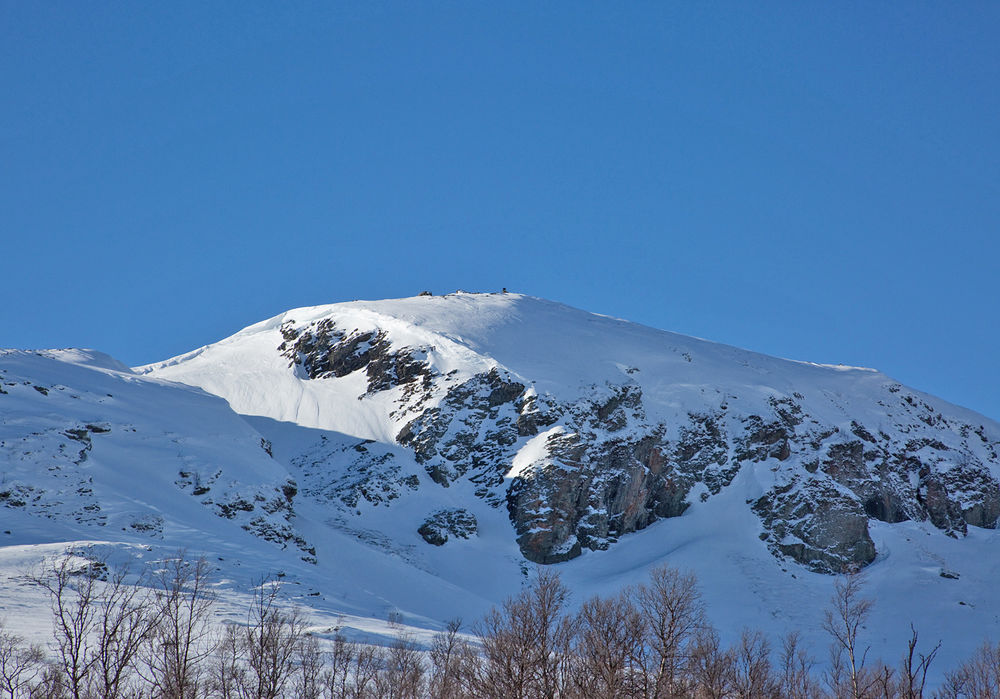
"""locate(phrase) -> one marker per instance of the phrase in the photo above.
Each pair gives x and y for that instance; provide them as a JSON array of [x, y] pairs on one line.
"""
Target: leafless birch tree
[[843, 621], [181, 641]]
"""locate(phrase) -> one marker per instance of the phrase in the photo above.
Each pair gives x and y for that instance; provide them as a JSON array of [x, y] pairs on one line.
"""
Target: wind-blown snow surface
[[369, 559], [557, 348]]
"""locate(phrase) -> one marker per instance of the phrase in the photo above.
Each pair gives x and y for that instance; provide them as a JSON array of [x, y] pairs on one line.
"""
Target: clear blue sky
[[813, 180]]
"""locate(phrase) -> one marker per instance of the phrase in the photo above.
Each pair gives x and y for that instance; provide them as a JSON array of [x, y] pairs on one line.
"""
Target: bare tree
[[976, 678], [913, 669], [20, 664], [674, 612], [836, 676], [73, 597], [181, 640], [50, 685], [402, 675], [880, 682], [270, 639], [751, 672], [227, 674], [525, 643], [365, 671], [608, 658], [340, 659], [123, 626], [309, 673], [796, 681], [709, 667], [506, 666], [449, 655], [843, 621]]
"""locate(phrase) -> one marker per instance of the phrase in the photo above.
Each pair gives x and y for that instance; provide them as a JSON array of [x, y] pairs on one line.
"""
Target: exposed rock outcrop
[[320, 350], [445, 524]]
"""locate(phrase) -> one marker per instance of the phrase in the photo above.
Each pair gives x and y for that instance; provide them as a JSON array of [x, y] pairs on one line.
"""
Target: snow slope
[[557, 348]]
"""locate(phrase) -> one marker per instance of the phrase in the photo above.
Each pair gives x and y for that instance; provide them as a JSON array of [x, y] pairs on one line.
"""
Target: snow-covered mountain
[[587, 428], [422, 454]]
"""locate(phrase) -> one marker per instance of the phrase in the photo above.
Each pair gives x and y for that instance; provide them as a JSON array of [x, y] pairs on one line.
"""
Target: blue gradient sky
[[813, 180]]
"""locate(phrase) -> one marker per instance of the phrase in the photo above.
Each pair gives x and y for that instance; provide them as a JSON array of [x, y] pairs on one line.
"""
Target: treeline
[[118, 635]]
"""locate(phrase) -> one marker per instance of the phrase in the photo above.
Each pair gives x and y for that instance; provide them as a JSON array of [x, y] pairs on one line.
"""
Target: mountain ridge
[[639, 419], [428, 473]]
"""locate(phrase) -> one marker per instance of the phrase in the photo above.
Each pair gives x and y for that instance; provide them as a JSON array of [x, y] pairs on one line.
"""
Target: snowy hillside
[[588, 427], [86, 442], [419, 456]]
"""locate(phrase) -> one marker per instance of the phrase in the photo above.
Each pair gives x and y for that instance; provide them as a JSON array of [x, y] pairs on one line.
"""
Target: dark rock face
[[821, 520], [473, 431], [321, 350], [602, 469], [588, 496], [596, 485], [614, 473], [451, 523], [817, 525]]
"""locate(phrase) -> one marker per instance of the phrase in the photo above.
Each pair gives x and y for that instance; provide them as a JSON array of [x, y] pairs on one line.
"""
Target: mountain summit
[[584, 428]]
